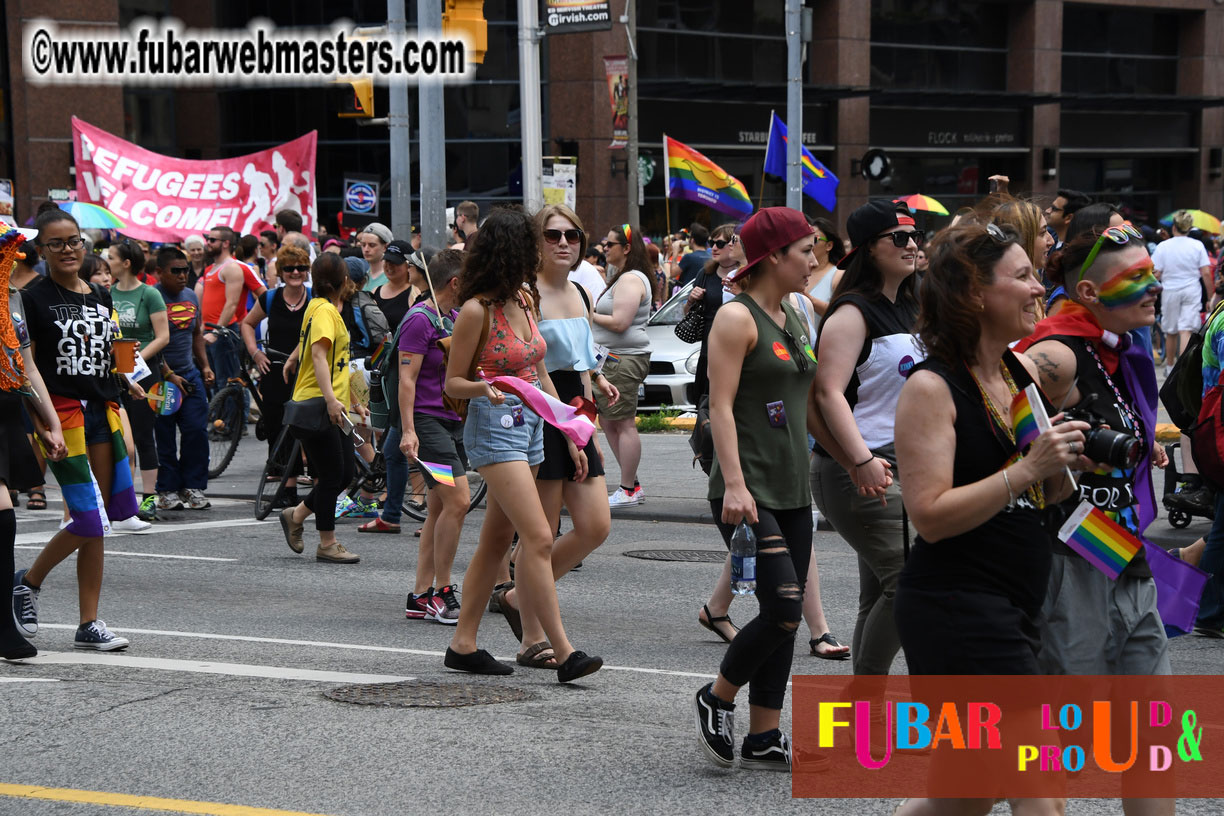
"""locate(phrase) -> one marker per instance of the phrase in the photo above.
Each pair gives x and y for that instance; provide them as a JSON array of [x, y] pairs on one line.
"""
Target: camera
[[1118, 449]]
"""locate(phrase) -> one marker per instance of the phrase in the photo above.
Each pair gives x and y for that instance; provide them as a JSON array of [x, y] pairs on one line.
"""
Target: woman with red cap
[[867, 347], [761, 366]]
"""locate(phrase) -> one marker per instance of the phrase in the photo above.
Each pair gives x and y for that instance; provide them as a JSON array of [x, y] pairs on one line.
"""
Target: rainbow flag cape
[[576, 420], [90, 514], [818, 181], [1024, 413], [691, 176], [442, 474], [1105, 544]]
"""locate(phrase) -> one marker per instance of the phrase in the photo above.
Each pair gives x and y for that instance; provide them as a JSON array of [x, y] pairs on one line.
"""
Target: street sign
[[569, 16], [361, 195]]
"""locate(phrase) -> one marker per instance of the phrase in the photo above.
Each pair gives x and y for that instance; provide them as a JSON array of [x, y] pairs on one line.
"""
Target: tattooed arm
[[1056, 371]]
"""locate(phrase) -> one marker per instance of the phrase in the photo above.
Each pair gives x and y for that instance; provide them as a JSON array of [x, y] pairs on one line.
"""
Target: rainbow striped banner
[[1103, 542], [91, 515], [442, 474], [1024, 419], [691, 176]]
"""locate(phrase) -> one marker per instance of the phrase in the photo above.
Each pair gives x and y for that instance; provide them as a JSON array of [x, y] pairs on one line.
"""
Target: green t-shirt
[[134, 308]]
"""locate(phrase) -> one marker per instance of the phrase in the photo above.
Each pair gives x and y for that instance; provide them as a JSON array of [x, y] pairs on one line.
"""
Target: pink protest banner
[[576, 421], [166, 199]]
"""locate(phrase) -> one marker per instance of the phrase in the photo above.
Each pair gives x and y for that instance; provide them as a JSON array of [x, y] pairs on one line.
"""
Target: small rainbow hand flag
[[1024, 419], [442, 474], [1105, 544]]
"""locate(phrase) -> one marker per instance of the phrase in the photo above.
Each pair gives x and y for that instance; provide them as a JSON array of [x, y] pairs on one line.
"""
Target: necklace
[[1035, 493], [293, 307]]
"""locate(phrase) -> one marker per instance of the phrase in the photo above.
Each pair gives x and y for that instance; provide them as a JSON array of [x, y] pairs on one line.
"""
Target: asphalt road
[[220, 700]]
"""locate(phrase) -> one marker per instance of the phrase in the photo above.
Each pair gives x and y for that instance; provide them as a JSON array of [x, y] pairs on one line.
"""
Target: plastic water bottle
[[743, 560]]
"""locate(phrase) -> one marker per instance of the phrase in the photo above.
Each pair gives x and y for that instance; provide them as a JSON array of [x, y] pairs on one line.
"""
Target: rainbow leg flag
[[1103, 542], [576, 421], [442, 474], [90, 514]]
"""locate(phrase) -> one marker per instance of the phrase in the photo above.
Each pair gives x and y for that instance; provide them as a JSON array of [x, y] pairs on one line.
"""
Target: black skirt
[[557, 463], [18, 467]]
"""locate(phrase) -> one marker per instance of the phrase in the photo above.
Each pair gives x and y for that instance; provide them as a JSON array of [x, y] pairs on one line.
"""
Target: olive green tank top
[[770, 410]]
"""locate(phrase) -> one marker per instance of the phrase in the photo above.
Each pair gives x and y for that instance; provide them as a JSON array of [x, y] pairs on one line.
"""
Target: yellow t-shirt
[[323, 320]]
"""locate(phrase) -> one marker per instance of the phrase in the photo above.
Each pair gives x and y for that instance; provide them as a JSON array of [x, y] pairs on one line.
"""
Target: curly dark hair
[[962, 262], [502, 257]]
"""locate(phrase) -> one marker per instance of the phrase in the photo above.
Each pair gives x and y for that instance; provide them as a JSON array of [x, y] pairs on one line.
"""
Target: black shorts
[[440, 442], [557, 463]]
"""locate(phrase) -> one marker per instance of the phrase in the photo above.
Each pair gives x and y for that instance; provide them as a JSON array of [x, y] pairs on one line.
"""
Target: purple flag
[[1179, 586]]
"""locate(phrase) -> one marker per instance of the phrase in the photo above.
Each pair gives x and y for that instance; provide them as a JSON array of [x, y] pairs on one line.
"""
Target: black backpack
[[1182, 392]]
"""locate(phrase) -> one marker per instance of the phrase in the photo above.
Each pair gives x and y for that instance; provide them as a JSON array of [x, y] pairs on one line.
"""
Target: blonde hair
[[1183, 220]]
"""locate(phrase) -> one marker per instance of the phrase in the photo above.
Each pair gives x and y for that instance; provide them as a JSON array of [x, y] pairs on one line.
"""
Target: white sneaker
[[130, 525], [194, 499], [623, 498]]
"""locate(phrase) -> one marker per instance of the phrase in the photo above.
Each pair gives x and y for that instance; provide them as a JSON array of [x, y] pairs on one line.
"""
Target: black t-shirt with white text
[[72, 335]]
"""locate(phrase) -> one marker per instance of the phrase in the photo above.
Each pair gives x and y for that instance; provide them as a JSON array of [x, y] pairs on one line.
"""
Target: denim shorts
[[97, 427], [491, 434]]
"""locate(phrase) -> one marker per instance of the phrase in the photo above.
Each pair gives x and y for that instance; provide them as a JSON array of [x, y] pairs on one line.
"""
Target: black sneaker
[[94, 635], [715, 729], [773, 754]]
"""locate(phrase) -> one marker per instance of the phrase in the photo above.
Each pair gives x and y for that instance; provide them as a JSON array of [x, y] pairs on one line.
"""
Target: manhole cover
[[413, 694], [700, 556]]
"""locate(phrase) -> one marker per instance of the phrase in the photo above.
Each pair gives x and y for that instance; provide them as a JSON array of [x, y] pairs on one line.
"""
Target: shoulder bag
[[308, 414]]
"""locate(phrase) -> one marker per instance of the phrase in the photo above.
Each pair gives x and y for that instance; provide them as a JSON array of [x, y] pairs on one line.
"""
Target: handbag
[[308, 414], [692, 327]]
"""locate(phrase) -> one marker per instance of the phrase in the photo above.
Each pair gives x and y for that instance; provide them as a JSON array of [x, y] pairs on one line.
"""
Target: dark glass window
[[1141, 185], [938, 45], [1108, 50]]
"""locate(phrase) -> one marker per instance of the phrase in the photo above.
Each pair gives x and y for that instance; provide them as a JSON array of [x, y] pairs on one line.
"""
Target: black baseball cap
[[397, 252], [870, 220]]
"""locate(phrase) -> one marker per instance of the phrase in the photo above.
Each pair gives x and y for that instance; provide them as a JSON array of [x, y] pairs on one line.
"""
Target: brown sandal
[[533, 659], [512, 614]]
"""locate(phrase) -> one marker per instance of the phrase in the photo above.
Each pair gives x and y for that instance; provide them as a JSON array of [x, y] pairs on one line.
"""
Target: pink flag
[[575, 421]]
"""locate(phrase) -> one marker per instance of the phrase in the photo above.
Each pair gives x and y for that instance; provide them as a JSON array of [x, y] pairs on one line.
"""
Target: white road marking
[[207, 667], [28, 680], [316, 644], [143, 555], [161, 528]]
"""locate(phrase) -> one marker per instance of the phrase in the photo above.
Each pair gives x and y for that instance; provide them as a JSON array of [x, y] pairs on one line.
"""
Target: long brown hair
[[502, 258], [636, 257]]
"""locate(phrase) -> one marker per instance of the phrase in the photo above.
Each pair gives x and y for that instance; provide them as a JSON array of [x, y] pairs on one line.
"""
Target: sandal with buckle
[[537, 656], [512, 614], [711, 623], [377, 525], [828, 639]]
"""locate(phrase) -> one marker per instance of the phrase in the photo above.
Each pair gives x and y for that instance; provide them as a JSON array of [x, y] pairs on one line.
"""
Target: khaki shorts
[[627, 372]]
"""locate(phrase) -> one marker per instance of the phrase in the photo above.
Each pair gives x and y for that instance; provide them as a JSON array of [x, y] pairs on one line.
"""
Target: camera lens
[[1121, 450]]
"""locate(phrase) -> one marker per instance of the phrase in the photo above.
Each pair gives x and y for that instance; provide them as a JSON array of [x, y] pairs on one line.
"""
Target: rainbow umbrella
[[92, 216], [1203, 220], [924, 203]]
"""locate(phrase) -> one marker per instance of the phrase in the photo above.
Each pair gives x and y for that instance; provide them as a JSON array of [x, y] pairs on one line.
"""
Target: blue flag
[[818, 182]]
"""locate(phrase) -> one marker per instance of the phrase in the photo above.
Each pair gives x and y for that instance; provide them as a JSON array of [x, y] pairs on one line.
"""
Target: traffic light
[[354, 99], [467, 17]]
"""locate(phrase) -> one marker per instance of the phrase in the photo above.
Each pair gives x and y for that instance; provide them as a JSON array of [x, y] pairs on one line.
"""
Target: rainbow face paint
[[1129, 286]]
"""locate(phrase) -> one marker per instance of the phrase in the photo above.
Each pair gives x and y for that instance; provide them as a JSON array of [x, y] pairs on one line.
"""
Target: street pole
[[399, 135], [631, 152], [529, 104], [432, 138], [794, 105]]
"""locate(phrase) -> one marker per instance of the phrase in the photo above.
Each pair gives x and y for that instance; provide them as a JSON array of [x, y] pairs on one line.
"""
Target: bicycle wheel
[[276, 468], [225, 423], [477, 488], [414, 494]]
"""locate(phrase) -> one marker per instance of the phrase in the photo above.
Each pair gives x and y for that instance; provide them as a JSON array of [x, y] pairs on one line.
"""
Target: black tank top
[[1009, 555], [284, 324], [394, 308], [1112, 491]]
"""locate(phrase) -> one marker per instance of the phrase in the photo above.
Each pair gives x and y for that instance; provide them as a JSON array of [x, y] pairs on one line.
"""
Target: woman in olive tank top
[[761, 365]]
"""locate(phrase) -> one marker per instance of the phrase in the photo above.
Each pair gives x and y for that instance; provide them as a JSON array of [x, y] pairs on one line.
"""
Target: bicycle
[[226, 410], [370, 475]]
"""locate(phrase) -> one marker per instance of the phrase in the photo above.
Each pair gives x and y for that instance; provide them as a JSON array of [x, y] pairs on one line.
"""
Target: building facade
[[1123, 99]]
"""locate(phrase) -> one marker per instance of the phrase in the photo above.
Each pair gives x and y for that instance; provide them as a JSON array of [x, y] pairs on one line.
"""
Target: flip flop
[[377, 525], [37, 500], [710, 620], [828, 639], [533, 659]]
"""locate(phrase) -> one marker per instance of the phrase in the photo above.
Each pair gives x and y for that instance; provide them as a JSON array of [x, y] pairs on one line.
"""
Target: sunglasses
[[1119, 235], [901, 239], [722, 244], [572, 236], [178, 270], [287, 269], [796, 351], [1000, 235]]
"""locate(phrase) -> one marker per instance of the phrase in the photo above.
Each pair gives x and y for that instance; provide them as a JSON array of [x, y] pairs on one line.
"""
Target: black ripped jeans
[[760, 655]]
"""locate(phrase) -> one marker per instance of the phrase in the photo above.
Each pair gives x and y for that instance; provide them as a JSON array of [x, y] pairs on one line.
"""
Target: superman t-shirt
[[182, 312]]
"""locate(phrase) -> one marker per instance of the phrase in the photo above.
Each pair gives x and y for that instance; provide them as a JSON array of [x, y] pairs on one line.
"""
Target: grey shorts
[[441, 442], [1092, 625]]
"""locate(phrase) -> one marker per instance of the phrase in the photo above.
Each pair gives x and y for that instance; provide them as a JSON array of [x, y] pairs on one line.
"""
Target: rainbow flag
[[819, 182], [1024, 420], [90, 514], [576, 420], [691, 176], [442, 474], [1105, 544]]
